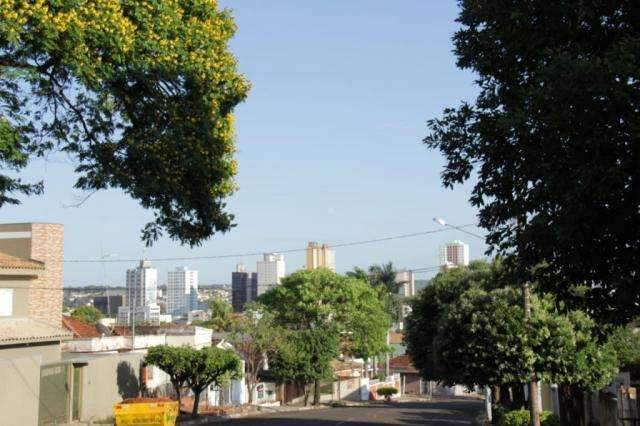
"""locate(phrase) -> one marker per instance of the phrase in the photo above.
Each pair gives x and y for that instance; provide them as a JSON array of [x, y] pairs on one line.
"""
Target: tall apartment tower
[[244, 287], [407, 283], [142, 285], [320, 256], [270, 272], [454, 254], [182, 291]]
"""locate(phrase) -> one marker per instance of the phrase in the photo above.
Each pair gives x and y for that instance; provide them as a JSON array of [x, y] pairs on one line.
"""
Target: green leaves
[[140, 93], [467, 327], [320, 310], [552, 136], [88, 314]]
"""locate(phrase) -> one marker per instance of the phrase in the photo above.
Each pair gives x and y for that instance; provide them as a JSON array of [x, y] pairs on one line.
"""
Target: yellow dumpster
[[146, 412]]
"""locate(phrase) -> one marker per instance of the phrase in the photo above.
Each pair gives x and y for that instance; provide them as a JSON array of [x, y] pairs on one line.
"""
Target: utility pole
[[534, 403], [133, 317]]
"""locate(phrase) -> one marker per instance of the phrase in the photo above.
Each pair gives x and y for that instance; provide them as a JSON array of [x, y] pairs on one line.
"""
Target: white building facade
[[142, 296], [182, 291], [455, 253], [270, 271]]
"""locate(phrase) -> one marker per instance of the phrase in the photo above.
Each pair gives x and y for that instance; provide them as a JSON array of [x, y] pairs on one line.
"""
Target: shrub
[[521, 418], [387, 392]]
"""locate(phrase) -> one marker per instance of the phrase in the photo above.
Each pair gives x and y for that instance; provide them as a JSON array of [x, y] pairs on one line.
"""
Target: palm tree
[[384, 275]]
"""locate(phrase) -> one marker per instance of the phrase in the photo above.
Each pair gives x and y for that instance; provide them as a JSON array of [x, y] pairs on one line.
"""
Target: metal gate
[[55, 387]]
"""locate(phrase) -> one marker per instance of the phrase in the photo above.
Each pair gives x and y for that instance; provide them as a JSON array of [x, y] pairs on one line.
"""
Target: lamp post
[[534, 396]]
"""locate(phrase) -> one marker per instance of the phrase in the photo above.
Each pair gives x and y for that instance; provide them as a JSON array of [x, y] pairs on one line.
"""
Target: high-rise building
[[108, 305], [182, 291], [244, 287], [142, 290], [454, 254], [407, 283], [270, 272], [320, 256]]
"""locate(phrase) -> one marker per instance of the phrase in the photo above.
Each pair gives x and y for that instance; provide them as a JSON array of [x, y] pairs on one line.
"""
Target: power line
[[296, 250]]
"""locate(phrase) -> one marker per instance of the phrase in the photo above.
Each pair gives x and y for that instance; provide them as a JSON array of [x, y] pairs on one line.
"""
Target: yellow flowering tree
[[140, 92]]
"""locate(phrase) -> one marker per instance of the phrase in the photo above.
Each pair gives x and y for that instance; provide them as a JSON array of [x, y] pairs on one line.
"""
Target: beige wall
[[20, 286], [105, 381], [21, 387], [49, 352], [45, 243]]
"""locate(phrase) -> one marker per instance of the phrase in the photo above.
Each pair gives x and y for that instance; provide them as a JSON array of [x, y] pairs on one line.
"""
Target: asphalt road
[[444, 412]]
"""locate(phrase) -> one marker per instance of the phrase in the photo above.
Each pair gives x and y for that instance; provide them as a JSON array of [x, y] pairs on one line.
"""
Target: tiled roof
[[402, 363], [11, 262], [396, 338], [80, 328], [27, 330]]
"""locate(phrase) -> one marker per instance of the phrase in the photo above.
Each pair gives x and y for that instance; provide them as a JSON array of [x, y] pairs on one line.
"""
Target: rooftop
[[80, 329], [27, 330], [8, 261]]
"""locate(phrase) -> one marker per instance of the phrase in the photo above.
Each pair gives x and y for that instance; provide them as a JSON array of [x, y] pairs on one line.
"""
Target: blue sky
[[329, 145]]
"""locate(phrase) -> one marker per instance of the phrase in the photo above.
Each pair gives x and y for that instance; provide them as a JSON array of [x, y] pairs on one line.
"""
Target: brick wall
[[45, 303]]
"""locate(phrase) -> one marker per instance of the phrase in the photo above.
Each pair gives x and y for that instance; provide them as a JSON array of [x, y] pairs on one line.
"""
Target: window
[[6, 302]]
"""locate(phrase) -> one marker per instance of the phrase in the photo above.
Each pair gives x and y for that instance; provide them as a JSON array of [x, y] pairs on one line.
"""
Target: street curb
[[227, 417]]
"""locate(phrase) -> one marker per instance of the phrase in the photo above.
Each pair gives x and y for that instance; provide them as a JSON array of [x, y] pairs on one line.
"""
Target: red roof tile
[[80, 328], [402, 363], [11, 262]]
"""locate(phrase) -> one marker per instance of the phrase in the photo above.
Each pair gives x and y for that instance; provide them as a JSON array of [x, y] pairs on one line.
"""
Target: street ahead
[[459, 411]]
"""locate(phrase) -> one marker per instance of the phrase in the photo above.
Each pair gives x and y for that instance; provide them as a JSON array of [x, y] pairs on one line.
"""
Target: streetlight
[[440, 221]]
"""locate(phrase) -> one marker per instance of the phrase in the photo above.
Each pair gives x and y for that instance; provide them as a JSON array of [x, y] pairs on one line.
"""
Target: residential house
[[30, 330]]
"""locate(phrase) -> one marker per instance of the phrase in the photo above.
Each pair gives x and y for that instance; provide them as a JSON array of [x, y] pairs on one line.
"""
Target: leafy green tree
[[305, 356], [173, 360], [383, 279], [552, 136], [141, 94], [322, 299], [87, 314], [255, 335], [222, 319]]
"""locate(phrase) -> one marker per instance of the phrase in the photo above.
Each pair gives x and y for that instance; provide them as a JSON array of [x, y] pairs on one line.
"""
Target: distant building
[[406, 281], [244, 287], [270, 272], [144, 315], [142, 295], [142, 285], [454, 254], [320, 256], [108, 305], [182, 291]]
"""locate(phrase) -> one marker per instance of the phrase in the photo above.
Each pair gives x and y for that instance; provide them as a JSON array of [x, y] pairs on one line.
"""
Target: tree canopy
[[139, 93], [197, 368], [88, 314], [468, 327], [553, 137], [322, 309]]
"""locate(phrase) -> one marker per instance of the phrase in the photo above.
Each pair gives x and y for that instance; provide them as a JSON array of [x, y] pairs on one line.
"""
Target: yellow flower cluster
[[185, 40]]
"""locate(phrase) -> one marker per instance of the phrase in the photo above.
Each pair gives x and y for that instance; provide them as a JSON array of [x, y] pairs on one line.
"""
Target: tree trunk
[[196, 402], [307, 391], [176, 388], [251, 385], [316, 392]]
